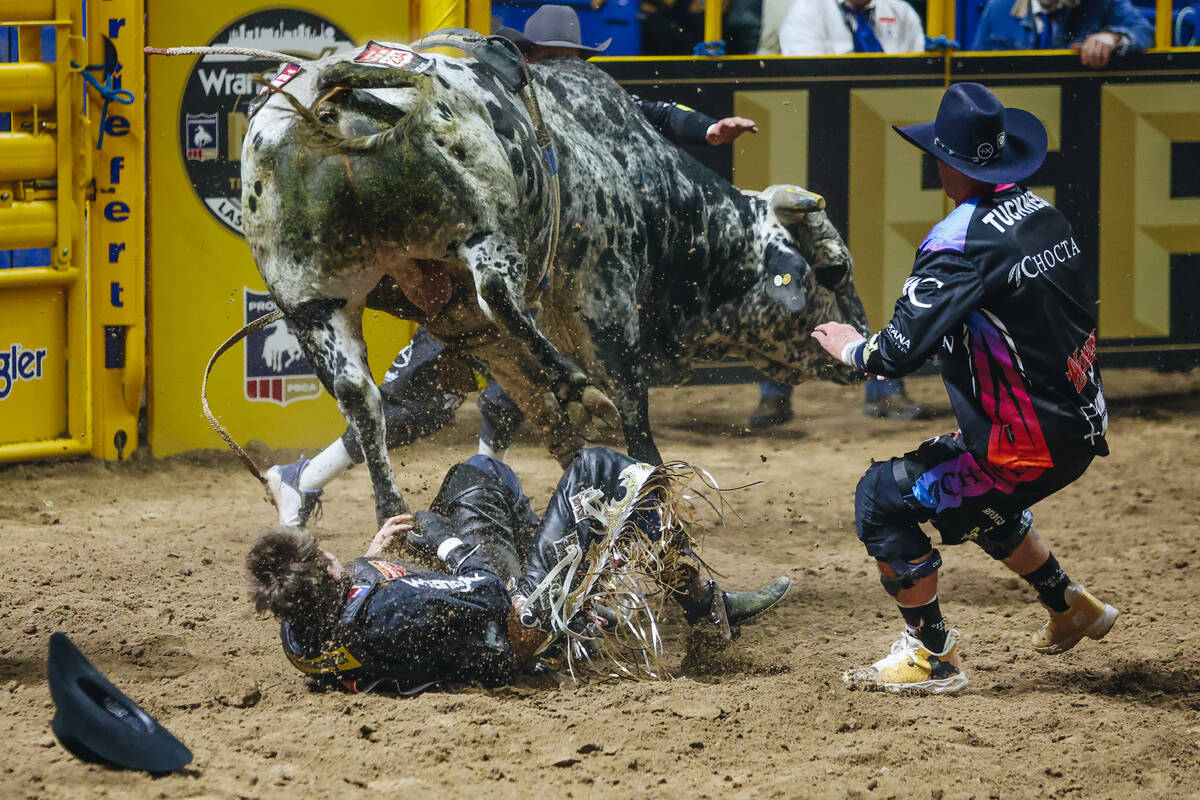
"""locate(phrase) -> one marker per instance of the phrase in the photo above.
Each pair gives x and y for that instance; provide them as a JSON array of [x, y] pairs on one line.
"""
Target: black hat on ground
[[975, 134], [97, 723], [558, 26]]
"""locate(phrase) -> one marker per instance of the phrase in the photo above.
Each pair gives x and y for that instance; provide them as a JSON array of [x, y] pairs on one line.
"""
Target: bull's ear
[[366, 76]]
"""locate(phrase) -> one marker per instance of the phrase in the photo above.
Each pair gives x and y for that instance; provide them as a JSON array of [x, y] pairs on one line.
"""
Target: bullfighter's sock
[[331, 462], [926, 623], [1051, 584]]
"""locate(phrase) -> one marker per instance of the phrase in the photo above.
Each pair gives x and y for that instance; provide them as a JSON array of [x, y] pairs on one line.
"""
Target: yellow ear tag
[[787, 278]]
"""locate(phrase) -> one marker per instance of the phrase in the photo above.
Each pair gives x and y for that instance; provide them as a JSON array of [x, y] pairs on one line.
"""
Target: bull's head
[[805, 277]]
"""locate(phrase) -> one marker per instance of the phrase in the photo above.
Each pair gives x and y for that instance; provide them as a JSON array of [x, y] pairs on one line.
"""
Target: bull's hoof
[[386, 508], [600, 407], [581, 421]]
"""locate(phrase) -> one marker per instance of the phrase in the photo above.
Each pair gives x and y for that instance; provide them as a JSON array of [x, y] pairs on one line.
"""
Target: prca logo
[[276, 369]]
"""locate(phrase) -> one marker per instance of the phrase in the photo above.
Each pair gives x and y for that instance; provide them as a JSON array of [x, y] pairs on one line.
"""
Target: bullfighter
[[1000, 285]]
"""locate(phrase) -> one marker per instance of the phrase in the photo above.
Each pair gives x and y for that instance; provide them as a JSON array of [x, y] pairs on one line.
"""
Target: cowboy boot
[[703, 601]]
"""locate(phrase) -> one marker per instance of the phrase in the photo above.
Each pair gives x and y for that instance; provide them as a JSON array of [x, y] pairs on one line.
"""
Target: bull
[[422, 190]]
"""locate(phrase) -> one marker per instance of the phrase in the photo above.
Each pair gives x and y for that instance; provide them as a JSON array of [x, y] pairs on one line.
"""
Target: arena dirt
[[140, 563]]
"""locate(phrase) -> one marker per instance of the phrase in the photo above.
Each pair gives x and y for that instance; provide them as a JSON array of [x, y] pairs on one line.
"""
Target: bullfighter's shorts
[[966, 498]]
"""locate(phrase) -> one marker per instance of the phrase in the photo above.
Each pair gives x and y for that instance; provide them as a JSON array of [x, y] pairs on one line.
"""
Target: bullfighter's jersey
[[999, 284], [410, 627]]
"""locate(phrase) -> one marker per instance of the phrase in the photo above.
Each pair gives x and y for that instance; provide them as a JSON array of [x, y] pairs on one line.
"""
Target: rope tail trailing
[[327, 139], [256, 325], [249, 52]]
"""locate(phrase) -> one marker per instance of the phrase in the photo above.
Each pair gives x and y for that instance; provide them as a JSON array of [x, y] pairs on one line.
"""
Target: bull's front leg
[[330, 332], [499, 270]]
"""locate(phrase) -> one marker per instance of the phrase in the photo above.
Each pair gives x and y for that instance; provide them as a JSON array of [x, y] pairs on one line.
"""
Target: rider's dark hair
[[288, 574]]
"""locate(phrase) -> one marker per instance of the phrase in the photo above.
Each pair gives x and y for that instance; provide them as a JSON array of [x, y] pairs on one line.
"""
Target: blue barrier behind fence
[[36, 257], [616, 19]]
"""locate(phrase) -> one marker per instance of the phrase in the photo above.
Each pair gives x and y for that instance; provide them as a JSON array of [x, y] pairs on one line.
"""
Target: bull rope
[[251, 52], [469, 41], [253, 326]]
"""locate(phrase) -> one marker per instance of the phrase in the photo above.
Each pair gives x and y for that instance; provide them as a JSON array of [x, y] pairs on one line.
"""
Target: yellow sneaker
[[1086, 616], [910, 667]]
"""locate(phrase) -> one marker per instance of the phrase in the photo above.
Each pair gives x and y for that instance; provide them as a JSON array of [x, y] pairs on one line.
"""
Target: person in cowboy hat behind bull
[[1000, 285]]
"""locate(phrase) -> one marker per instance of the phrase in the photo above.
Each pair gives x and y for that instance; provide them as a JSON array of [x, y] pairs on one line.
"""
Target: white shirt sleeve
[[803, 31], [773, 13], [912, 31]]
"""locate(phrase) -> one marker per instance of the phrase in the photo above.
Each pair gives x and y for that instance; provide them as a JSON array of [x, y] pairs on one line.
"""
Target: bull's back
[[649, 214]]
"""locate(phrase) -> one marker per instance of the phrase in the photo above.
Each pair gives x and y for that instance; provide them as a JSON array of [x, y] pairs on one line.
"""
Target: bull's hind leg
[[633, 398], [499, 270], [330, 331], [635, 414]]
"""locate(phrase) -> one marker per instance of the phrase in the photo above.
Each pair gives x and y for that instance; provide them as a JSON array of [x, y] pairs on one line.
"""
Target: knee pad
[[877, 494], [908, 574], [887, 522], [999, 543]]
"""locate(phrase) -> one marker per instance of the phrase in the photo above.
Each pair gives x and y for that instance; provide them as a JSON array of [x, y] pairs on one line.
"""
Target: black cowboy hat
[[975, 134], [558, 26], [99, 724]]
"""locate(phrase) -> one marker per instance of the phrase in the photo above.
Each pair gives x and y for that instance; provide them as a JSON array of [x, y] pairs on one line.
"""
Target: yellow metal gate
[[71, 328]]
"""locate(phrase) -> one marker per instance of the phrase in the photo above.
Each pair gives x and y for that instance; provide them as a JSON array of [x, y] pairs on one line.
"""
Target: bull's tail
[[327, 139]]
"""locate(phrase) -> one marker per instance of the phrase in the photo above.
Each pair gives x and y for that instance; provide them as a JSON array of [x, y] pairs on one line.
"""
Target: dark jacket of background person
[[1000, 30]]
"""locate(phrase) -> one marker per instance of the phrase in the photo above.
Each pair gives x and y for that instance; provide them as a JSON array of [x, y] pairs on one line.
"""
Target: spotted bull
[[421, 190]]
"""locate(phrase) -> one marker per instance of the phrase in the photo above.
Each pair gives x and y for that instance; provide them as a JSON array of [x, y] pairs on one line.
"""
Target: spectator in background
[[1098, 29], [670, 27], [741, 24], [830, 27], [773, 14]]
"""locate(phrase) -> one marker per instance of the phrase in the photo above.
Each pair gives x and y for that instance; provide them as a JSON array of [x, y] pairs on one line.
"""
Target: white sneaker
[[912, 667], [295, 507]]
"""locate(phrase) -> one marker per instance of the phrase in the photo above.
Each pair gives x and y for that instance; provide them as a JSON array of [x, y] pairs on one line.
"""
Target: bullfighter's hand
[[398, 525], [728, 129], [834, 336], [1095, 50]]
